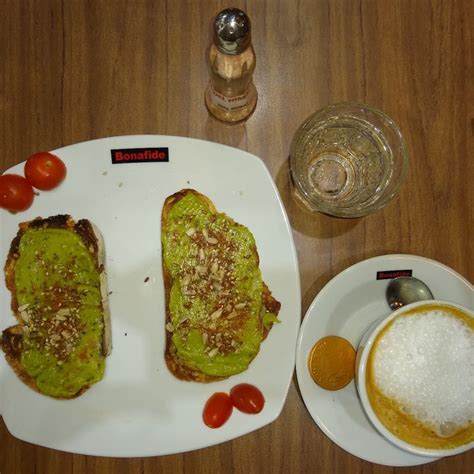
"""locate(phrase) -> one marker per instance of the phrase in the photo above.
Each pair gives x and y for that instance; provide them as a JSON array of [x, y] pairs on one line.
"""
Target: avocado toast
[[55, 271], [218, 309]]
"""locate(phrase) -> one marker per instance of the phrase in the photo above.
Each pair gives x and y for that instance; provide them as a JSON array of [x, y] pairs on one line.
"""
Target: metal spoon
[[405, 290]]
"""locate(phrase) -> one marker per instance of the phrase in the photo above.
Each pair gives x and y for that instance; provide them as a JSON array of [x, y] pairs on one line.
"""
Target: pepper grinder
[[231, 95]]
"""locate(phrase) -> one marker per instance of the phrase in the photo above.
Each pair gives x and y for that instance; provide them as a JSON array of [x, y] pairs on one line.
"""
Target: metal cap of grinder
[[232, 31]]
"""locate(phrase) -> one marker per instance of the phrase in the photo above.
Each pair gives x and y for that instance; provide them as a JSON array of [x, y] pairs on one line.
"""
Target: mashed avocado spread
[[216, 305], [58, 294]]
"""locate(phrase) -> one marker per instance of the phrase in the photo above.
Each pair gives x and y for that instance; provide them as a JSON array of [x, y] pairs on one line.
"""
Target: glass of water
[[347, 160]]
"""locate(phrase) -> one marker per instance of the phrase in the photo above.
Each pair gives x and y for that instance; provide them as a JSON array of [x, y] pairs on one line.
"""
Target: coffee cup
[[415, 377]]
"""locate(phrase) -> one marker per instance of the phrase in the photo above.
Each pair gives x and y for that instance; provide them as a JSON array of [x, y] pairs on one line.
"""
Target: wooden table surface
[[75, 70]]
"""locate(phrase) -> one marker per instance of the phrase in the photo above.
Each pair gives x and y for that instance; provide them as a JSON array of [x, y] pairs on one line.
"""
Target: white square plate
[[139, 408]]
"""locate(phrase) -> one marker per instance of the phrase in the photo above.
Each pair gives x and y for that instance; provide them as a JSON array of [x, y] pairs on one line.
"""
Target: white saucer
[[346, 307]]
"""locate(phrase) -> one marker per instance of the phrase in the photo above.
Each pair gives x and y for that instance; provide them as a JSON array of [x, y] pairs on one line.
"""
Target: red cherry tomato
[[16, 194], [217, 410], [247, 398], [44, 170]]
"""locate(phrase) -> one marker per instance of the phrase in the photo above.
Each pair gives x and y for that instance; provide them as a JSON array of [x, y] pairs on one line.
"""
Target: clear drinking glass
[[347, 160]]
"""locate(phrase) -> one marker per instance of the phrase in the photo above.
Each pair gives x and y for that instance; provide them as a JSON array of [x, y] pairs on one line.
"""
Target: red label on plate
[[139, 155], [388, 274]]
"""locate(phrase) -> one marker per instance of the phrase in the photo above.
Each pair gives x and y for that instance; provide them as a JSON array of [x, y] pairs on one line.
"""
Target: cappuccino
[[420, 377]]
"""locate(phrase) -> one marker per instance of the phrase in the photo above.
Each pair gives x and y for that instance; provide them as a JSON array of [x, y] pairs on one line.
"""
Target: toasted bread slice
[[55, 271], [218, 309]]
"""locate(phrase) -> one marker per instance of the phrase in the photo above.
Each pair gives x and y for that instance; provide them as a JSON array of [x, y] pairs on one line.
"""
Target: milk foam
[[426, 363]]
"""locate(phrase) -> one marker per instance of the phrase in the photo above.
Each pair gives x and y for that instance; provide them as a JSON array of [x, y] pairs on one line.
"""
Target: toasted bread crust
[[12, 338], [176, 365]]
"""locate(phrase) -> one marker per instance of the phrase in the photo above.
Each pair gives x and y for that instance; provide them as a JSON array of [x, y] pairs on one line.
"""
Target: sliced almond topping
[[186, 279], [205, 338], [25, 316], [55, 337], [64, 312], [201, 254], [232, 314], [205, 233], [213, 352], [240, 305], [217, 286], [66, 334], [216, 314], [169, 327], [23, 307], [191, 231], [202, 269], [214, 267], [212, 240], [60, 317]]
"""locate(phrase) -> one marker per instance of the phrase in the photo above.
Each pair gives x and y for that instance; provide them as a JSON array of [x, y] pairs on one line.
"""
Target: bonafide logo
[[389, 274], [140, 155]]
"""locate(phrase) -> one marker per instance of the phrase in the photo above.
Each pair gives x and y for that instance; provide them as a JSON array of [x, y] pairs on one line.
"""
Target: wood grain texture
[[75, 70]]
